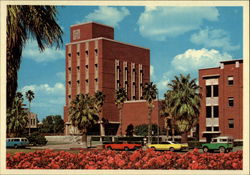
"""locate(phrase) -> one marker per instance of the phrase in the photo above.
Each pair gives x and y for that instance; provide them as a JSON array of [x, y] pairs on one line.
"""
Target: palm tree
[[30, 96], [120, 98], [83, 114], [24, 21], [149, 94], [183, 100], [99, 101], [17, 117]]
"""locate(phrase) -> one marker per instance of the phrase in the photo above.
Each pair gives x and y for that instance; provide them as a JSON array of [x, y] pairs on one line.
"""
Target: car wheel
[[109, 148], [15, 146], [126, 149], [205, 149], [171, 149], [222, 149], [153, 148]]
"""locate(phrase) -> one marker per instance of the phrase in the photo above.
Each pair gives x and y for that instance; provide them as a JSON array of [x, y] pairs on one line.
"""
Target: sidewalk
[[64, 146]]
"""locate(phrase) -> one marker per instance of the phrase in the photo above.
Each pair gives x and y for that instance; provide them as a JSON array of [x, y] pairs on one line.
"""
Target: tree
[[183, 101], [17, 116], [120, 98], [99, 101], [149, 94], [24, 21], [83, 114], [130, 130], [30, 96], [142, 130], [53, 124]]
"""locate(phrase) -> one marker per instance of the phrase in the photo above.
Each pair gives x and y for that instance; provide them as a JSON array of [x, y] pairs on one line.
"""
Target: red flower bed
[[139, 159]]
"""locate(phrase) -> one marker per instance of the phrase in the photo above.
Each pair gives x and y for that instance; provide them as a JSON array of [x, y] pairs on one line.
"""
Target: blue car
[[16, 142]]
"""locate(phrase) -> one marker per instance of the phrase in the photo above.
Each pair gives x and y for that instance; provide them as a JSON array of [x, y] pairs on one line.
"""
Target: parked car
[[123, 146], [221, 144], [16, 142], [169, 146]]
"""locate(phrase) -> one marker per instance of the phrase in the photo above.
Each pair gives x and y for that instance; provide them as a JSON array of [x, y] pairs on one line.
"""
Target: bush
[[194, 144], [37, 139], [140, 159]]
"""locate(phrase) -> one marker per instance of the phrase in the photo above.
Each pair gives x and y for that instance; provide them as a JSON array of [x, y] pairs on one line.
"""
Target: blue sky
[[180, 39]]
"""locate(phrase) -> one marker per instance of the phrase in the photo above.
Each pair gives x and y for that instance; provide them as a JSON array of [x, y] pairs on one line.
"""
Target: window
[[216, 91], [230, 80], [230, 123], [208, 91], [230, 101], [87, 52], [208, 111], [216, 111], [216, 128], [209, 128]]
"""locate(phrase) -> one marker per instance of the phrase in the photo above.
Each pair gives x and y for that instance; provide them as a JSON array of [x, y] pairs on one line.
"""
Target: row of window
[[216, 128], [213, 90]]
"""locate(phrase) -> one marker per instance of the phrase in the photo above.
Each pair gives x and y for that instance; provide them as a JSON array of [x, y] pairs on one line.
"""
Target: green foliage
[[142, 130], [17, 116], [194, 144], [120, 97], [37, 139], [52, 124], [149, 92], [182, 103], [83, 112], [24, 22]]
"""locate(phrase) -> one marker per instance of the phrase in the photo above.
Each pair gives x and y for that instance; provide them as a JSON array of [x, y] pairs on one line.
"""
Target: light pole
[[158, 126]]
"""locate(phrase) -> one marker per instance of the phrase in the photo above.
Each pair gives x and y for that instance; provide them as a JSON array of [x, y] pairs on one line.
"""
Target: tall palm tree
[[30, 95], [24, 21], [83, 114], [17, 117], [99, 101], [120, 98], [149, 94], [183, 100]]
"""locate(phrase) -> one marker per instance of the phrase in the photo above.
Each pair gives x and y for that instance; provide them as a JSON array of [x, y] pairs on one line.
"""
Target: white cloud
[[217, 38], [190, 62], [61, 75], [159, 23], [108, 15], [152, 75], [31, 51], [197, 59], [45, 89]]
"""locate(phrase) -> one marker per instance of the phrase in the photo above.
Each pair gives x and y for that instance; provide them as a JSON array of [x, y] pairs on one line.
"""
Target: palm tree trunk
[[149, 126], [84, 138], [120, 114], [184, 137], [29, 118]]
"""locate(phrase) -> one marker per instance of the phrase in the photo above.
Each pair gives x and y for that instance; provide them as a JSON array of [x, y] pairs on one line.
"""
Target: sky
[[181, 40]]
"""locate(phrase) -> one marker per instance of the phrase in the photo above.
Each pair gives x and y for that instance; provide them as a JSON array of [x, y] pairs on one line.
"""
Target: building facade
[[221, 111], [97, 62]]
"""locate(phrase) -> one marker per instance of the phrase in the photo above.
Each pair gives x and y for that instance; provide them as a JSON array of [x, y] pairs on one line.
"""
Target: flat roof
[[92, 23], [103, 38], [228, 61]]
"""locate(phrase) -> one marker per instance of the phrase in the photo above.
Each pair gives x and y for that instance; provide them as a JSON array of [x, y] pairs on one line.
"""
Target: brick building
[[95, 61], [221, 111]]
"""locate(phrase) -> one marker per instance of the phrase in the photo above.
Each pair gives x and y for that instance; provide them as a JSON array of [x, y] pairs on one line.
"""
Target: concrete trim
[[102, 38]]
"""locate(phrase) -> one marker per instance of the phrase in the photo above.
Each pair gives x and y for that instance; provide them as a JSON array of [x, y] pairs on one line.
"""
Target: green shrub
[[37, 139], [194, 144]]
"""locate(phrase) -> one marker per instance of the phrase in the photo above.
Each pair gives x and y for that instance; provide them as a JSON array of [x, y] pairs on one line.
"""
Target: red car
[[123, 146]]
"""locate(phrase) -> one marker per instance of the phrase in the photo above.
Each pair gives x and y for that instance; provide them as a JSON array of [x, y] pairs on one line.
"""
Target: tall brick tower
[[221, 111], [95, 61]]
